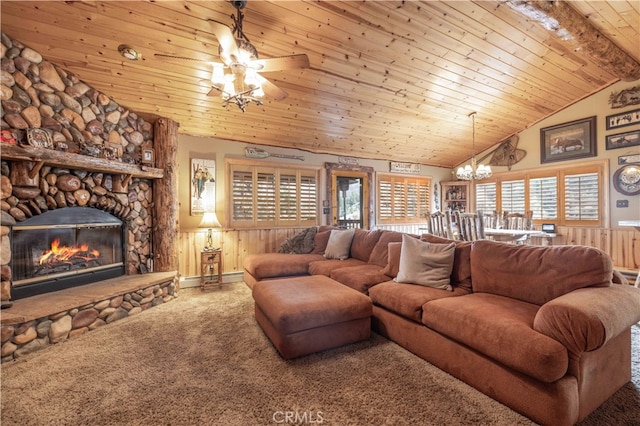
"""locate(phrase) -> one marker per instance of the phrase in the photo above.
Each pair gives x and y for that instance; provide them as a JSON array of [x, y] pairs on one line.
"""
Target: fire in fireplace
[[64, 248]]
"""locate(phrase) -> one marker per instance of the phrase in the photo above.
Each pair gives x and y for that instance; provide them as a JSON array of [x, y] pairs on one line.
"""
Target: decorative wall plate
[[626, 180], [39, 138]]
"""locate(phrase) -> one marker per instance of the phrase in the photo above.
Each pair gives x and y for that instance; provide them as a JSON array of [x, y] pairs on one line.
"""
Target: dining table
[[635, 224], [511, 235]]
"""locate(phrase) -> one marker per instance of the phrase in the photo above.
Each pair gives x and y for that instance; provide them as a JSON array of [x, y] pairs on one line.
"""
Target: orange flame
[[59, 253]]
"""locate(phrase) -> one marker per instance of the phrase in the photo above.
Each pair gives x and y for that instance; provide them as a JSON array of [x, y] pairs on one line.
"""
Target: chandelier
[[473, 171], [242, 84]]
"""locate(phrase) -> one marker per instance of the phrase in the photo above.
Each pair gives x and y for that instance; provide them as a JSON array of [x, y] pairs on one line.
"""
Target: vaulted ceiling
[[387, 79]]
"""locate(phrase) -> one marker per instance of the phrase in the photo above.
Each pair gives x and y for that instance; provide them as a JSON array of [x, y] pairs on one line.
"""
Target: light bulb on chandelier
[[473, 171]]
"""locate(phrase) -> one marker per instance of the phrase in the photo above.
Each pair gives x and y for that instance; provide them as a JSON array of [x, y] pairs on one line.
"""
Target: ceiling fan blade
[[271, 90], [226, 39], [281, 63]]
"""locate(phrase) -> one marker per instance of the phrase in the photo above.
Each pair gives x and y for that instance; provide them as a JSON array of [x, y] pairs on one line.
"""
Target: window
[[565, 196], [543, 198], [513, 196], [403, 199], [486, 197], [581, 197], [272, 196]]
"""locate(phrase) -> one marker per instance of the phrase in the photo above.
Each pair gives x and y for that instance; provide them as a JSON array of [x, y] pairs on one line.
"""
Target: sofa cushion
[[361, 277], [325, 266], [500, 328], [461, 273], [271, 265], [379, 254], [424, 263], [408, 300], [320, 241], [339, 245], [363, 243], [537, 274]]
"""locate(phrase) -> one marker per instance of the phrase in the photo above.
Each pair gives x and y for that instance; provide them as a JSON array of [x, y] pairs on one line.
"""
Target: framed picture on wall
[[622, 119], [623, 140], [568, 141], [203, 185]]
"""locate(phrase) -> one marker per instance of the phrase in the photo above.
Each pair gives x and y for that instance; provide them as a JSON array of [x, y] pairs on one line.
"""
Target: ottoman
[[302, 315]]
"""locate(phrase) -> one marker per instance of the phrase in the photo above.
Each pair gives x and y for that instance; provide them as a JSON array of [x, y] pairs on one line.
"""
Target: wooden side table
[[210, 268]]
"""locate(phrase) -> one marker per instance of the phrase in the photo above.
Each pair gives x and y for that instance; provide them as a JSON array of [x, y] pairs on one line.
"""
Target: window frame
[[278, 171], [422, 208], [600, 167]]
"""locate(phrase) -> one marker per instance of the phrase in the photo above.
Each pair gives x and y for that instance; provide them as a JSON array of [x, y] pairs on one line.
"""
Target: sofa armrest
[[586, 319]]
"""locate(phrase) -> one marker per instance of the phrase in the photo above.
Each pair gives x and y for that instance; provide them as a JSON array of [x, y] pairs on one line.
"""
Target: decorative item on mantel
[[209, 221], [474, 170]]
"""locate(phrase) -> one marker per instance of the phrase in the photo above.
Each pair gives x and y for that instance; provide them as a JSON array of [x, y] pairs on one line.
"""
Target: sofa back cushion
[[363, 243], [380, 253], [537, 274], [461, 273]]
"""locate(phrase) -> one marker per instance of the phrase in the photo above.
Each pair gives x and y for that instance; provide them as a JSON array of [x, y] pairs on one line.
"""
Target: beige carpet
[[202, 360]]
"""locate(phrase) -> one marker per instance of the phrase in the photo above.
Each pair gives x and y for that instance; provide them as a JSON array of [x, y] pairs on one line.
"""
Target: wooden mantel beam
[[42, 156], [590, 40]]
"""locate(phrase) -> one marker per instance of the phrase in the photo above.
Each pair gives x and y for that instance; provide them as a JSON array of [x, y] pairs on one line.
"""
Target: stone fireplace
[[80, 235]]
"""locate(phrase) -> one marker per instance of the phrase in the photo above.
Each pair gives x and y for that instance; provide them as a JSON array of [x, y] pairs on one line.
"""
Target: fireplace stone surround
[[92, 159]]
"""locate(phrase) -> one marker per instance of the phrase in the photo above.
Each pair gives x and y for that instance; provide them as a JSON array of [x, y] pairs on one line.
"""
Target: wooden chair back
[[470, 225], [440, 225], [522, 221], [492, 220]]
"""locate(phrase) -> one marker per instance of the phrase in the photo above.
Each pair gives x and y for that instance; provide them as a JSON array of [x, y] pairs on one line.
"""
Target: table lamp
[[210, 221]]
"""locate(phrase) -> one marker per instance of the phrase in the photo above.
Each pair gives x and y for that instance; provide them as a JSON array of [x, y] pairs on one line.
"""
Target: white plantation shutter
[[403, 199], [273, 196], [581, 197], [385, 202], [486, 197], [543, 197], [513, 196]]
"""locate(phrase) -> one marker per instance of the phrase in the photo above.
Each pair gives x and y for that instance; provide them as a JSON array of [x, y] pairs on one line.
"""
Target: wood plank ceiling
[[388, 79]]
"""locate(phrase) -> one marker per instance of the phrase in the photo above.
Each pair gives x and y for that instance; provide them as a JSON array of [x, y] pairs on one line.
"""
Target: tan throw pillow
[[339, 245], [427, 264]]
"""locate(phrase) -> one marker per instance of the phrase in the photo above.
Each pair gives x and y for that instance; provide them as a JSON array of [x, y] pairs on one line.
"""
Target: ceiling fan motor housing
[[239, 4]]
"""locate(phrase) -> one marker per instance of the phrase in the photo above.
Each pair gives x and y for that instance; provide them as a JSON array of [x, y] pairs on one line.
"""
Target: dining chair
[[440, 224], [492, 220], [519, 221], [470, 225]]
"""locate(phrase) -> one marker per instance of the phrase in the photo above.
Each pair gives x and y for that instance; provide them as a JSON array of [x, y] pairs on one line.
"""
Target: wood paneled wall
[[623, 245]]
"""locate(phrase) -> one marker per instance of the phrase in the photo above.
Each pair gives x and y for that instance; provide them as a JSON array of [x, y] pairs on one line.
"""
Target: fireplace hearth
[[64, 248]]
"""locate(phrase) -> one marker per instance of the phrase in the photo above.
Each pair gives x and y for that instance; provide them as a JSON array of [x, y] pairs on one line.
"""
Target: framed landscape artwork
[[203, 186], [623, 140], [568, 141], [627, 118]]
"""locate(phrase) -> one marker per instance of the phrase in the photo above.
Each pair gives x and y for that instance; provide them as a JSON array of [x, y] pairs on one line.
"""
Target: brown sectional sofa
[[543, 330]]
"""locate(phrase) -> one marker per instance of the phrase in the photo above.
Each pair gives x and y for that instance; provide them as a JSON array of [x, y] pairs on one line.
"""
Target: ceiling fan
[[236, 78]]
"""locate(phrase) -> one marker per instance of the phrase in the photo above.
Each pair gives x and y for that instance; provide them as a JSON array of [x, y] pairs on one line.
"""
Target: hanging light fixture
[[473, 171], [241, 85]]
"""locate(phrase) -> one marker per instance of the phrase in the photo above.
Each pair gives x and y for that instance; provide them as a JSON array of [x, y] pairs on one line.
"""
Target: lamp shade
[[210, 220]]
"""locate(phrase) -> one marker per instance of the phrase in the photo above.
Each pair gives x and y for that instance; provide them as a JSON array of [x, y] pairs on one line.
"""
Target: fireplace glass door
[[66, 247]]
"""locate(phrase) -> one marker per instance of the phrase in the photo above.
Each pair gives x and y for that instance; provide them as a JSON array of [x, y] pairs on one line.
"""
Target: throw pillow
[[427, 264], [300, 243], [393, 264], [339, 245], [320, 239]]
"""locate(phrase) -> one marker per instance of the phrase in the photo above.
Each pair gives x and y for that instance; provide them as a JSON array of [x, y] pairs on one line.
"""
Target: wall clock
[[626, 180]]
